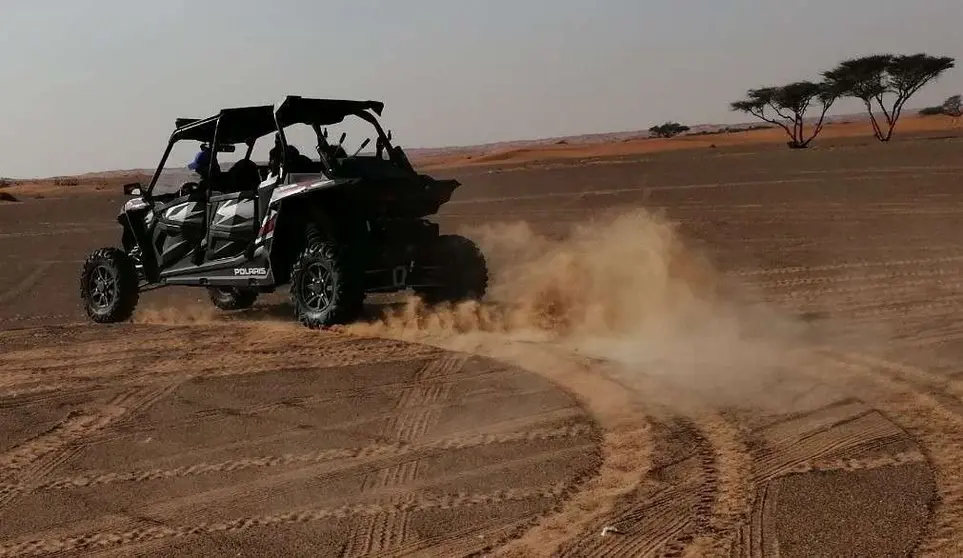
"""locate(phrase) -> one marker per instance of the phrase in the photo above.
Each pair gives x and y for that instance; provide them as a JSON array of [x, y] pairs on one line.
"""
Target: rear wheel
[[326, 286], [108, 285], [232, 298], [463, 271]]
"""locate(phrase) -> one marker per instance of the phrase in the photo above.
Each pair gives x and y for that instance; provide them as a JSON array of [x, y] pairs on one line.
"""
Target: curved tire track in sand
[[732, 465], [936, 428], [440, 437], [368, 454], [723, 500], [106, 539], [672, 514], [626, 446], [627, 493]]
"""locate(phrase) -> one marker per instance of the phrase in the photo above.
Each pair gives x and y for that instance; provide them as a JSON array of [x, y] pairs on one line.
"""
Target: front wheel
[[327, 287], [232, 298], [109, 286]]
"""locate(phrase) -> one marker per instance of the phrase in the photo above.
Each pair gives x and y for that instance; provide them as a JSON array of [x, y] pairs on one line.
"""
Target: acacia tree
[[668, 130], [789, 104], [953, 106], [872, 78]]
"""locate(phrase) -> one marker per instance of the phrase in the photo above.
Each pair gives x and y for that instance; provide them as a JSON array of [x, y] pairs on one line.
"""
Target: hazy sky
[[96, 84]]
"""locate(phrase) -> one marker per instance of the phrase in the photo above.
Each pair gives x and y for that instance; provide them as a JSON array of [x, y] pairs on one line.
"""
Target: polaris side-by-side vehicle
[[334, 228]]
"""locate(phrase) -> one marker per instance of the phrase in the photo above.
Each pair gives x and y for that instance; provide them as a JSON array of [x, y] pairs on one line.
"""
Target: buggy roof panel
[[233, 125], [322, 112]]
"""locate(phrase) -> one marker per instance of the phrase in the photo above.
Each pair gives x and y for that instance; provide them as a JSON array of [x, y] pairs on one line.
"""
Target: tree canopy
[[788, 105], [668, 130], [953, 106], [874, 77]]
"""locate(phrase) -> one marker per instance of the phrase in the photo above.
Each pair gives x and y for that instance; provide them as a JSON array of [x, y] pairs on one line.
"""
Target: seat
[[243, 176]]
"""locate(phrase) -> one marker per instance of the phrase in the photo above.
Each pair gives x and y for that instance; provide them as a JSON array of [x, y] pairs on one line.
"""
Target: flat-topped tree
[[789, 104], [872, 78], [668, 130], [953, 107]]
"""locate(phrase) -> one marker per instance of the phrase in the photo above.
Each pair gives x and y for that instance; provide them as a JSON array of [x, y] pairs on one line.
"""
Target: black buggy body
[[333, 227]]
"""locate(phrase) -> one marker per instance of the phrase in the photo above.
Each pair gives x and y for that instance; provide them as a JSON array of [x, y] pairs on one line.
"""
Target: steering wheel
[[188, 189]]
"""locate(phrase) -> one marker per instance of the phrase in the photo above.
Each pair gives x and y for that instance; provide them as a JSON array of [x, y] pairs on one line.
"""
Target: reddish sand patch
[[110, 182], [906, 126]]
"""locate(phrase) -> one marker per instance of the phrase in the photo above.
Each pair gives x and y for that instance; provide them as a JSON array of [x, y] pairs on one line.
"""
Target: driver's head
[[202, 162]]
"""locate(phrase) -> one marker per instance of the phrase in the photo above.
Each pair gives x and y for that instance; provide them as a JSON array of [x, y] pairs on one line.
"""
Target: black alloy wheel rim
[[317, 289], [103, 288]]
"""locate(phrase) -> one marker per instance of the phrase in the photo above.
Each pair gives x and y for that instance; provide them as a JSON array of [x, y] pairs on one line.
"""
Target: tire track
[[901, 276], [105, 539], [659, 516], [79, 425], [26, 283], [842, 436], [842, 266], [947, 331], [287, 488], [857, 292], [209, 416], [33, 460], [940, 433], [755, 539], [863, 430], [416, 412], [859, 464], [473, 541], [192, 507], [257, 352], [519, 429], [942, 385], [626, 446], [723, 502], [57, 232], [368, 454], [735, 491], [920, 312], [905, 309]]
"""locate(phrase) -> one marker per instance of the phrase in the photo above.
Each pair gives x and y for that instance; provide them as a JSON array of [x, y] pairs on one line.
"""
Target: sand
[[742, 350]]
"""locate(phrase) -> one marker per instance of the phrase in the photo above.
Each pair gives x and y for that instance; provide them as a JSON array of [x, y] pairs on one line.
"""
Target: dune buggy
[[334, 228]]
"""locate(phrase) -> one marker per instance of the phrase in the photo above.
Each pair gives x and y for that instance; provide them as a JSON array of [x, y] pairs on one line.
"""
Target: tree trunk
[[877, 132]]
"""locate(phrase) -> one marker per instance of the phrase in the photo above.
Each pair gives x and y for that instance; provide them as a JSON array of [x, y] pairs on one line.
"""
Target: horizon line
[[584, 138]]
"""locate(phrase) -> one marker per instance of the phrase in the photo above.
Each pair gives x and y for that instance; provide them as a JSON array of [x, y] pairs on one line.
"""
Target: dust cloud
[[625, 290], [623, 295]]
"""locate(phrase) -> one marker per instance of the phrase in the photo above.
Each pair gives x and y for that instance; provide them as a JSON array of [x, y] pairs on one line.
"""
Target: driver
[[202, 163], [203, 167]]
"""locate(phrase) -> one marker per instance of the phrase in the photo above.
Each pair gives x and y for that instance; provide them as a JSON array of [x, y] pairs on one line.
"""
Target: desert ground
[[686, 351]]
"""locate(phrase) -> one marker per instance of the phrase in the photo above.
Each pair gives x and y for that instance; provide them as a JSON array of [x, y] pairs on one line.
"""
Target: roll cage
[[245, 125]]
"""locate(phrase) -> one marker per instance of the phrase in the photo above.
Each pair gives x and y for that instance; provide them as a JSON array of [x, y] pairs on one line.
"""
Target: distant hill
[[418, 153], [611, 137]]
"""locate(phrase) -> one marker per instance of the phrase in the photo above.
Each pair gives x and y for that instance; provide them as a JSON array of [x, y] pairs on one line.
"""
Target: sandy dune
[[762, 361]]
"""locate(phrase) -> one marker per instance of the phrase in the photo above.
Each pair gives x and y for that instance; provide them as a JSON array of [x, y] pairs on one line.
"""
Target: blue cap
[[201, 161]]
